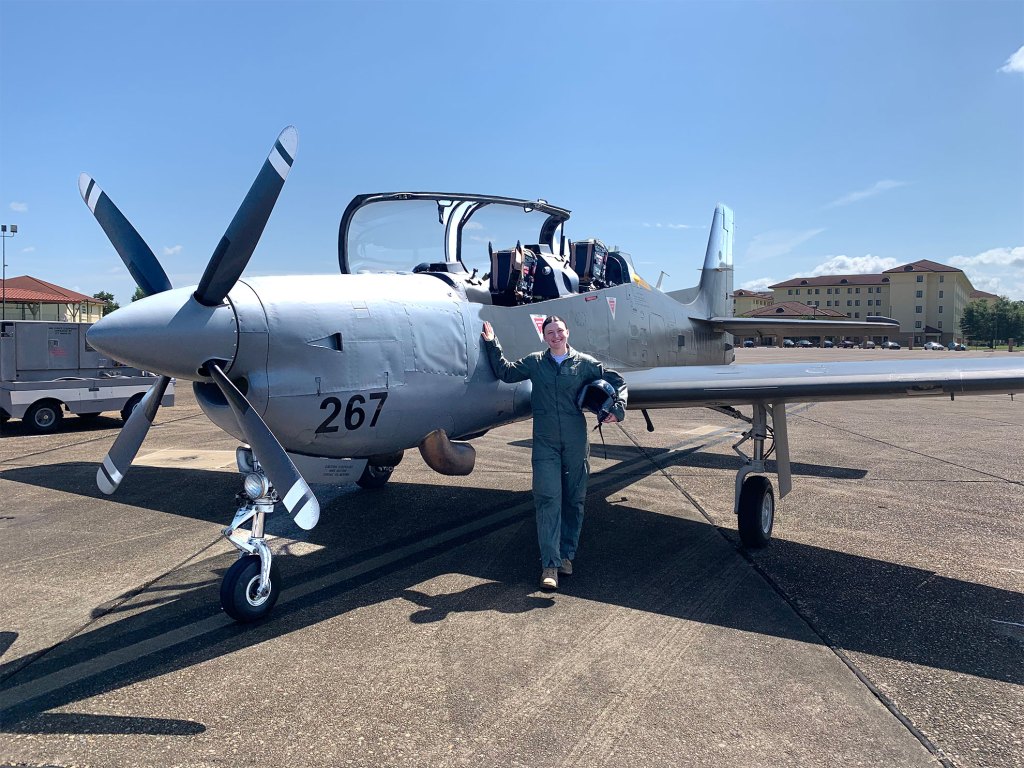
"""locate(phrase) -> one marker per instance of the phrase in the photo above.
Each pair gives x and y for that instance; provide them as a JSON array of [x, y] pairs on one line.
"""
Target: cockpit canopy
[[400, 231]]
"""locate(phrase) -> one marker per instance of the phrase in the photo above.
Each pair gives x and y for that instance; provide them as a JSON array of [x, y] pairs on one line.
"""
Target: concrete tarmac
[[883, 626]]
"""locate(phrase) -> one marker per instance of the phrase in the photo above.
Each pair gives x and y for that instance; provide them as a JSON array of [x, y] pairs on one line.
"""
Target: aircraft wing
[[711, 385], [778, 325]]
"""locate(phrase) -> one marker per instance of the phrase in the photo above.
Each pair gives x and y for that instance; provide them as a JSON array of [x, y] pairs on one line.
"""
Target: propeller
[[121, 454], [298, 499], [226, 264], [136, 255], [239, 241]]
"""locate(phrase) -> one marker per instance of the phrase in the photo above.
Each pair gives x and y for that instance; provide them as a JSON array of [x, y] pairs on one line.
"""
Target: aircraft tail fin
[[715, 287]]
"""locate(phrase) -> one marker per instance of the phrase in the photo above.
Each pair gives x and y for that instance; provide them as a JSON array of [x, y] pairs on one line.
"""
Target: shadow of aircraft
[[379, 546]]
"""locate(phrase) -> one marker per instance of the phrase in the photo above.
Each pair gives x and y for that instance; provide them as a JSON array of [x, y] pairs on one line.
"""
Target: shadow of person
[[492, 596]]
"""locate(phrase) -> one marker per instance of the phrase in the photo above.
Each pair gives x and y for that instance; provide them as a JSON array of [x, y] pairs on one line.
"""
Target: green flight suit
[[560, 445]]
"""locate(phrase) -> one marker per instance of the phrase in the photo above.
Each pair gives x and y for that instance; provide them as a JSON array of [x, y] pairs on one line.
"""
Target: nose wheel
[[244, 594]]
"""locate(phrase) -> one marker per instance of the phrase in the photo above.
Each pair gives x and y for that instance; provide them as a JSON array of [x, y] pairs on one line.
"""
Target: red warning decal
[[611, 305], [538, 323]]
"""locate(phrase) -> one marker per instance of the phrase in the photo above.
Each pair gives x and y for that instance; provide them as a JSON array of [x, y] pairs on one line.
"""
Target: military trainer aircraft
[[330, 378]]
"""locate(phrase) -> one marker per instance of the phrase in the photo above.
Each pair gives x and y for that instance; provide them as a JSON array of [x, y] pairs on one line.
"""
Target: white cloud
[[769, 245], [30, 249], [1015, 63], [994, 257], [659, 225], [19, 207], [173, 250], [852, 265], [876, 189], [760, 284], [473, 225], [997, 270]]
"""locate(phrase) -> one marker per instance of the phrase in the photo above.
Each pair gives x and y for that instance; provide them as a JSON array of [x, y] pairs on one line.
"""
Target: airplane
[[330, 378]]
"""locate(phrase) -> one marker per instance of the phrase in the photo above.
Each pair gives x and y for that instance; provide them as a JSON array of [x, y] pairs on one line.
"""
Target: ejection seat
[[506, 272]]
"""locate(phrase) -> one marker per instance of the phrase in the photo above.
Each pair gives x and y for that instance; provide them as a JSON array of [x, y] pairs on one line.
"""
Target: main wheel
[[126, 412], [756, 512], [238, 590], [374, 476], [44, 416]]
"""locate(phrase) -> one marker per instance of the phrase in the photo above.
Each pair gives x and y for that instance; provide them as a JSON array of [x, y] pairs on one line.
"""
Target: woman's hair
[[551, 319]]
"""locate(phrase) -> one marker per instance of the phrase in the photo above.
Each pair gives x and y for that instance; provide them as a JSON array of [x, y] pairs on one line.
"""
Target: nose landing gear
[[252, 584]]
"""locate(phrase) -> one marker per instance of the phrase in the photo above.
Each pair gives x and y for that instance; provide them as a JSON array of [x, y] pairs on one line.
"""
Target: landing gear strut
[[754, 502], [252, 585]]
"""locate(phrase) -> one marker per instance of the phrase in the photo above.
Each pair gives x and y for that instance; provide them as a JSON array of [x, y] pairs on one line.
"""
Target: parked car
[[748, 343], [890, 345], [934, 345], [827, 344], [804, 343], [957, 347], [869, 344], [788, 343], [847, 343]]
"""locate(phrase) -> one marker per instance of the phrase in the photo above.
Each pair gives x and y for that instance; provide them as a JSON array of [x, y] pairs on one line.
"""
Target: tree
[[109, 305], [139, 294]]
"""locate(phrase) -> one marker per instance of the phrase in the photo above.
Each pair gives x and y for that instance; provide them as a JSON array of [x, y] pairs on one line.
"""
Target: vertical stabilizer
[[715, 286]]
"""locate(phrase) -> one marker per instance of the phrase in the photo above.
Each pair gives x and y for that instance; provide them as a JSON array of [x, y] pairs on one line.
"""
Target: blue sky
[[846, 136]]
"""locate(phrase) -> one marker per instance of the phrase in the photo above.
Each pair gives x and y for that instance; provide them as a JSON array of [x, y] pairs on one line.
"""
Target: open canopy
[[398, 231]]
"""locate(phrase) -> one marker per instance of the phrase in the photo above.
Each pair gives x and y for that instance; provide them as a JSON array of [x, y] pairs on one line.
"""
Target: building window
[[918, 309], [828, 303], [856, 314], [919, 294], [940, 294], [917, 323], [940, 309], [789, 292], [849, 290], [857, 303], [940, 323], [857, 290], [942, 278], [920, 278], [797, 291], [849, 303], [828, 291]]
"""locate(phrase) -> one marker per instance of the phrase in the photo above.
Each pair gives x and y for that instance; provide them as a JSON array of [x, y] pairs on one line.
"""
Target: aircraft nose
[[169, 333]]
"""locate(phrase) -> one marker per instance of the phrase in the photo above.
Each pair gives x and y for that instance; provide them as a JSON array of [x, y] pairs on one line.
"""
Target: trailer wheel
[[126, 412], [44, 416]]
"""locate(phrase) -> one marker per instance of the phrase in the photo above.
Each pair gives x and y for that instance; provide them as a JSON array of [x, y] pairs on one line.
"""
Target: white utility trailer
[[48, 368]]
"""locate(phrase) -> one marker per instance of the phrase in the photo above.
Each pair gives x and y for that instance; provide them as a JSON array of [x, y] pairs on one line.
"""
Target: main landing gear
[[754, 500], [252, 585]]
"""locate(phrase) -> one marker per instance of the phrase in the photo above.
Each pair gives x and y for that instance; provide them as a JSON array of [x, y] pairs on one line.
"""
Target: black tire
[[126, 412], [374, 477], [237, 590], [756, 512], [44, 417]]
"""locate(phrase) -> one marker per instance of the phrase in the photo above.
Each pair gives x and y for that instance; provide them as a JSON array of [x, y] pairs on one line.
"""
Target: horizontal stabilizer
[[781, 325]]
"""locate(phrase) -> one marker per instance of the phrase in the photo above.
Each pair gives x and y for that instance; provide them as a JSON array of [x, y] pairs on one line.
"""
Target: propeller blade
[[136, 255], [119, 459], [298, 499], [239, 241]]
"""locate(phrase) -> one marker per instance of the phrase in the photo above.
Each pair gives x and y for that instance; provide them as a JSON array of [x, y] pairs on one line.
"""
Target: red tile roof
[[793, 309], [923, 265], [800, 282], [32, 289]]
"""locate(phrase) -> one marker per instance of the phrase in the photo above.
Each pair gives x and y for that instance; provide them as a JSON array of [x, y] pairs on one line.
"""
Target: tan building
[[855, 296], [927, 298], [744, 301], [29, 298]]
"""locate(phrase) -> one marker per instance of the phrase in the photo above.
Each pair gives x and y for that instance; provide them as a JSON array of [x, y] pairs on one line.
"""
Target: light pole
[[5, 234]]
